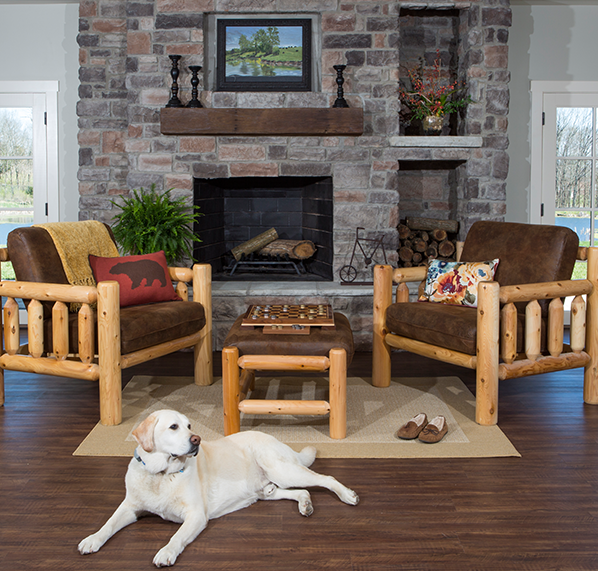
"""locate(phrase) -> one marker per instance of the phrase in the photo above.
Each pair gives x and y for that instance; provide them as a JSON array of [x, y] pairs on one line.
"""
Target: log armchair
[[516, 329], [96, 344]]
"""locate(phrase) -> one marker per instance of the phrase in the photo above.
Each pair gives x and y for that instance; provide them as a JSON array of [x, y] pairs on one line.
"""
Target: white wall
[[39, 42], [557, 43]]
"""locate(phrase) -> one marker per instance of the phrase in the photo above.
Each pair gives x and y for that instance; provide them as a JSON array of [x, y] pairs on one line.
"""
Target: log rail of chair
[[558, 359]]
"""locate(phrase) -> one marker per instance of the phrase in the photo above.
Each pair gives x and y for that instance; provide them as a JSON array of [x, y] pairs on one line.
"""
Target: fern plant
[[150, 221]]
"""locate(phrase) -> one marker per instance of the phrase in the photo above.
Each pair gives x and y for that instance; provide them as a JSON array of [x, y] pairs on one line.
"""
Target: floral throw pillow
[[456, 283]]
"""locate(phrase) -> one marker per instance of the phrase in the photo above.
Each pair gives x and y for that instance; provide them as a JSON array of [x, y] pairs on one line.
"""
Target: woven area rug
[[373, 417]]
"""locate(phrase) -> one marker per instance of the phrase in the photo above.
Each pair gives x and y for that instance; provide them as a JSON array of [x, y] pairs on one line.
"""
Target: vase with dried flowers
[[431, 98]]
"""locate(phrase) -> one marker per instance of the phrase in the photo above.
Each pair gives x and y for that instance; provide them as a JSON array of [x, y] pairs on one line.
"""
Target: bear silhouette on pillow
[[139, 270]]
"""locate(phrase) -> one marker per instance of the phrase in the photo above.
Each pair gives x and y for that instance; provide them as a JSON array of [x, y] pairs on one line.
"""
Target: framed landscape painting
[[263, 54]]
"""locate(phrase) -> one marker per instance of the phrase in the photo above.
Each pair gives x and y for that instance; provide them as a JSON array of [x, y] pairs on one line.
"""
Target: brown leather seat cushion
[[450, 326], [144, 326], [527, 253], [35, 259], [253, 341]]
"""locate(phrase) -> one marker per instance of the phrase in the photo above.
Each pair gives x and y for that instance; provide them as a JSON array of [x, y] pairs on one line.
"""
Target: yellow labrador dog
[[172, 476]]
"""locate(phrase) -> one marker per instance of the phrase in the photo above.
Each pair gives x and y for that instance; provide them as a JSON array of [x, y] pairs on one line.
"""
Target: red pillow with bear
[[142, 279]]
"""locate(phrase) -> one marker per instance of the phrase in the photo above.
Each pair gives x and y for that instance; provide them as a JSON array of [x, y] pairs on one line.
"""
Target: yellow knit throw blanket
[[74, 242]]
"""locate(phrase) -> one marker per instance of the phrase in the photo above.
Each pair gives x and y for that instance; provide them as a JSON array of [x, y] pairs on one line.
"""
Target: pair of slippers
[[419, 427]]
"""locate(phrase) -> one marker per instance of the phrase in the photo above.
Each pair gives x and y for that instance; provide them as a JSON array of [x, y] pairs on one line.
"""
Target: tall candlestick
[[174, 73], [194, 102], [340, 99]]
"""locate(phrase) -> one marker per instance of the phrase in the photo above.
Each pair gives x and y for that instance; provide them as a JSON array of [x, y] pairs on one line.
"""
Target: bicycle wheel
[[348, 273]]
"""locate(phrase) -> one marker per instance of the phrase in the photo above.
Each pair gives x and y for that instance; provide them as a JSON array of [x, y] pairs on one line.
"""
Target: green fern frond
[[150, 221]]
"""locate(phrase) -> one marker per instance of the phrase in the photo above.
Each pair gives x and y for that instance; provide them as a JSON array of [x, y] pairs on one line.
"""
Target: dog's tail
[[307, 456]]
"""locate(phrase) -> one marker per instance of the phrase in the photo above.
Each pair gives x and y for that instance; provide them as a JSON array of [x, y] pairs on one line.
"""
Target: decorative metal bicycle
[[348, 273]]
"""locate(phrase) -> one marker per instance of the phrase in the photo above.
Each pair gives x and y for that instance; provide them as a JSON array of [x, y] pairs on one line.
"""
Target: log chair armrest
[[406, 275], [545, 290], [181, 276], [48, 292], [403, 276]]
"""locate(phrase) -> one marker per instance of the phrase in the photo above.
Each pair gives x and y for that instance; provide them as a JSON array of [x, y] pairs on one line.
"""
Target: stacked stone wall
[[125, 81]]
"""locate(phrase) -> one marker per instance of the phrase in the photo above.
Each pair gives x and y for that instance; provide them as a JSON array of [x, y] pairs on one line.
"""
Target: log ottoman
[[247, 350]]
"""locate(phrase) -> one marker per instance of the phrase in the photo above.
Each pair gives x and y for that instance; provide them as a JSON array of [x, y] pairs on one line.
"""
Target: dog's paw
[[350, 497], [165, 557], [306, 508], [90, 544]]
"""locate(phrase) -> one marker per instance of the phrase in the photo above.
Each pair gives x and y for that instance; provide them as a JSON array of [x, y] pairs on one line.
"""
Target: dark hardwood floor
[[538, 512]]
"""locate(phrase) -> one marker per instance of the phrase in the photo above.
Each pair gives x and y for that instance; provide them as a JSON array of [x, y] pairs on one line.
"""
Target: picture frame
[[263, 54]]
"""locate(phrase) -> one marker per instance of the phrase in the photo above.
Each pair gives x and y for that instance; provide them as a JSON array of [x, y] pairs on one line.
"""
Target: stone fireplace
[[376, 176]]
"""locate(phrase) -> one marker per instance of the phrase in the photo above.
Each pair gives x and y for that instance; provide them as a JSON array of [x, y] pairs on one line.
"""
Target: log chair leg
[[338, 393], [246, 383], [590, 385], [202, 362], [202, 293], [486, 411], [230, 390], [109, 353], [380, 350]]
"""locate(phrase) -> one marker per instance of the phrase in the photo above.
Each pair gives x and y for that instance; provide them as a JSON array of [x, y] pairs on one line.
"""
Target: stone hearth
[[125, 81]]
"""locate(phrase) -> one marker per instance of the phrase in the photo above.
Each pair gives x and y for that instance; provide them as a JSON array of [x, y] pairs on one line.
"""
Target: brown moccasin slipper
[[413, 427], [434, 430]]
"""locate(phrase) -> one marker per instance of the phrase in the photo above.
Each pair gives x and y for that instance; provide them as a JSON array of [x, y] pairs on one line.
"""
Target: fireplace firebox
[[239, 209]]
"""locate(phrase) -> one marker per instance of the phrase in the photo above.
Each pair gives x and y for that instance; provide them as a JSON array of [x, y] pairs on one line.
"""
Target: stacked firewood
[[423, 239]]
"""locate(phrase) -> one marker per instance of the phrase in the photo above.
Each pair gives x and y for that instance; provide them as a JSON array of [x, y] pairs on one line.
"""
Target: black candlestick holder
[[174, 90], [340, 99], [194, 102]]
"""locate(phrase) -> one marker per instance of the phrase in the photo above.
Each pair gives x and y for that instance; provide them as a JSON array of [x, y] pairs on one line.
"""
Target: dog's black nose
[[195, 440]]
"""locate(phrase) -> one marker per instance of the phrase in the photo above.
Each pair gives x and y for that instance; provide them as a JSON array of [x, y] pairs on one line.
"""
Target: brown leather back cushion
[[34, 256], [528, 253]]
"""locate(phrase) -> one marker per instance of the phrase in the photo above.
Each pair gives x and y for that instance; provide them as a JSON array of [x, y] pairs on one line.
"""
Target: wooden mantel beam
[[256, 122]]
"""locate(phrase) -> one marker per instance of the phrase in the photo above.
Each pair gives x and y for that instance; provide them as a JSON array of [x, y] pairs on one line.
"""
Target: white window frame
[[538, 91], [45, 96]]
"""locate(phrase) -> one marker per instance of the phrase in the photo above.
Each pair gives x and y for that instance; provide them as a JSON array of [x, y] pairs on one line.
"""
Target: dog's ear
[[144, 433]]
